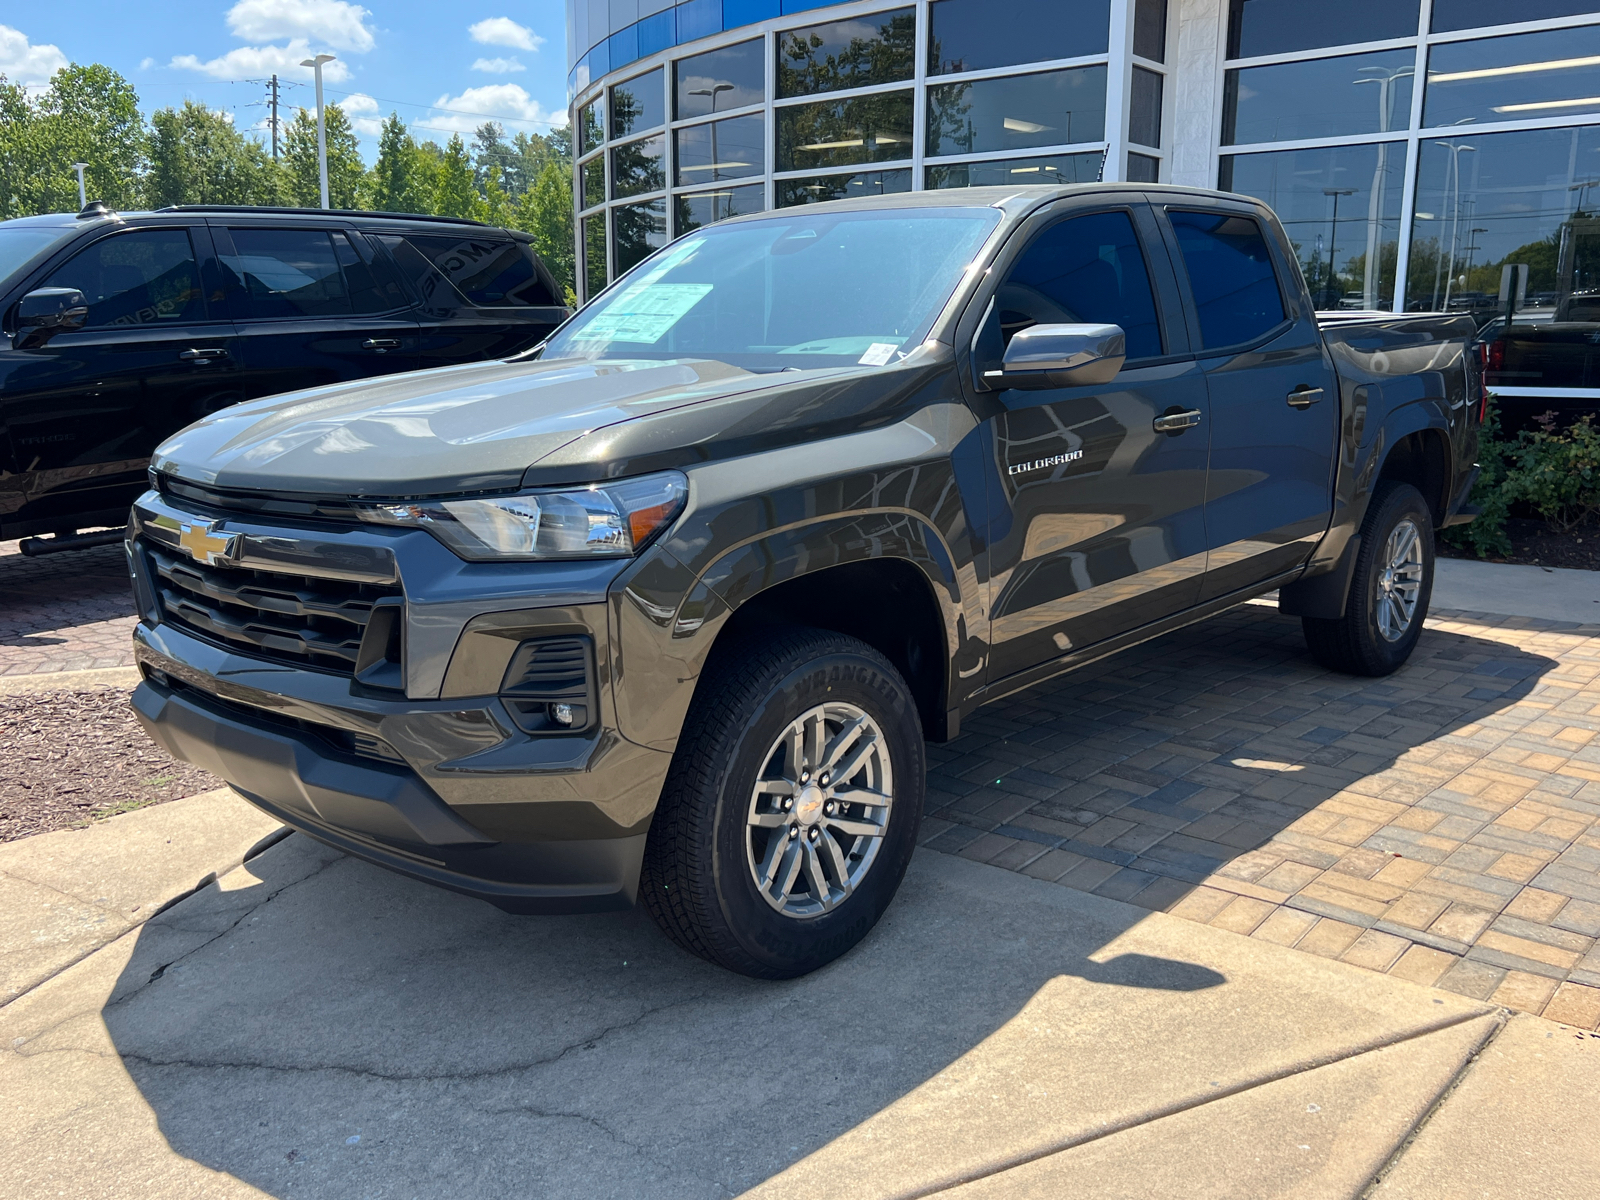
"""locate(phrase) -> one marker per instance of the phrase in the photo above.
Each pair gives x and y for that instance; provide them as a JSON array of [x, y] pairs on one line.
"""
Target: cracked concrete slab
[[1321, 1134], [314, 1026], [1519, 1126], [65, 894]]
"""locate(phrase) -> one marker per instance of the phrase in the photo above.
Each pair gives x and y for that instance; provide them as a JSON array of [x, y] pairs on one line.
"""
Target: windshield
[[19, 247], [806, 289]]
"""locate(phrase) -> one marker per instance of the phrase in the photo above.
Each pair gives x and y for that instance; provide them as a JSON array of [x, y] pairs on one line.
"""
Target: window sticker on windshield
[[877, 354], [645, 315]]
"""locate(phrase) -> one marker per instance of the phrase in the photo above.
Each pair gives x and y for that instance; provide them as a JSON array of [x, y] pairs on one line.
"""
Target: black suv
[[122, 328]]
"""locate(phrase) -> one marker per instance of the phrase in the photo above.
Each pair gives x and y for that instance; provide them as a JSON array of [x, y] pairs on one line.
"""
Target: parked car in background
[[670, 608], [121, 328]]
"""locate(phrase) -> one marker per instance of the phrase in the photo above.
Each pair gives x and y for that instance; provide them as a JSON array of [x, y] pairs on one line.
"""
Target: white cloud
[[498, 66], [326, 22], [23, 62], [503, 31], [250, 61], [146, 63], [362, 110], [506, 102]]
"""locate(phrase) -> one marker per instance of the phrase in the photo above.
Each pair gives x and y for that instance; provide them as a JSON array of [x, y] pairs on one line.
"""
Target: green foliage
[[457, 192], [405, 175], [347, 174], [198, 157], [545, 211], [87, 114], [1556, 472]]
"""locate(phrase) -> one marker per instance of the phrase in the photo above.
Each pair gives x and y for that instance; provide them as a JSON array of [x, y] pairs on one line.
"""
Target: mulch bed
[[1535, 544], [67, 758]]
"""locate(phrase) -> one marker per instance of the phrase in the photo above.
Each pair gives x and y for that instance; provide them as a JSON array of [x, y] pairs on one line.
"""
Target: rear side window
[[142, 278], [304, 273], [1085, 269], [488, 272], [1230, 273]]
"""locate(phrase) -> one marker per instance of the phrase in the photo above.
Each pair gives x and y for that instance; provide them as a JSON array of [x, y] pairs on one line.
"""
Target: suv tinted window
[[137, 278], [1230, 273], [303, 273], [489, 272], [1085, 269]]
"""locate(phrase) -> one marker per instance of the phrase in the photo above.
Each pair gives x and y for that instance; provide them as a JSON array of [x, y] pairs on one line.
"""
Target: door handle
[[1177, 422], [1303, 396], [203, 356], [381, 344]]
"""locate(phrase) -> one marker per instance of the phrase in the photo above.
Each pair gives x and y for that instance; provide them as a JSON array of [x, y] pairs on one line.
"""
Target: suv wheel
[[1389, 591], [792, 806]]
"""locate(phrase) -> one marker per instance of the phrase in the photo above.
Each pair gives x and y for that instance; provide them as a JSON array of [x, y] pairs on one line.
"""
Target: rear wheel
[[1389, 590], [792, 806]]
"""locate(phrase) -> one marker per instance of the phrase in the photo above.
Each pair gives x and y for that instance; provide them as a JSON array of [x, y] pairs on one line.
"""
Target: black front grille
[[298, 619]]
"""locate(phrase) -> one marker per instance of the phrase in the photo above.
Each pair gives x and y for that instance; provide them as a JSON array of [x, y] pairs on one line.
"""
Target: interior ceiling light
[[1023, 170], [1584, 102], [715, 165], [1018, 125], [835, 145], [1555, 64]]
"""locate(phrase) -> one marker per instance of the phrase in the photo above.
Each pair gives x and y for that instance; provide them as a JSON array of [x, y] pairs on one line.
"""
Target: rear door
[[1273, 394], [312, 307], [483, 295], [86, 409], [1100, 526]]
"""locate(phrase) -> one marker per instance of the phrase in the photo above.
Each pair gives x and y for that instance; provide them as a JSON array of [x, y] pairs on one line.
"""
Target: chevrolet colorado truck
[[670, 605]]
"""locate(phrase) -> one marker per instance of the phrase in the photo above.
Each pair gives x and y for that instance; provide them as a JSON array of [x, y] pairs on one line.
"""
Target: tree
[[198, 157], [88, 114], [346, 172], [457, 191], [404, 177], [545, 211]]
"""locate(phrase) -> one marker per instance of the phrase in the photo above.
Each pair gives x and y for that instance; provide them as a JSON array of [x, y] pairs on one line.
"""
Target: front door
[[1100, 526], [1274, 402], [86, 409], [312, 309]]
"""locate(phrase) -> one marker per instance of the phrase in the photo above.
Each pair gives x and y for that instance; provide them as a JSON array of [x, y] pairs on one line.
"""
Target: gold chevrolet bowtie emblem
[[205, 546]]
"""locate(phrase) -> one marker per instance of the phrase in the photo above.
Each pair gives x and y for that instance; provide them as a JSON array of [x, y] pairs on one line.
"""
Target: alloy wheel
[[1400, 581]]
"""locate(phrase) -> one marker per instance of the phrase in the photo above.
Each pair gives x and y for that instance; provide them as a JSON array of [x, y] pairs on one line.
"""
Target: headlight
[[610, 520]]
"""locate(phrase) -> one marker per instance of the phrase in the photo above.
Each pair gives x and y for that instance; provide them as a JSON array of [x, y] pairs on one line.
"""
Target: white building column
[[1196, 80]]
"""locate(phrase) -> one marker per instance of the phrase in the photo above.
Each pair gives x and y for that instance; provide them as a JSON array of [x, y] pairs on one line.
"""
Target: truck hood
[[477, 427]]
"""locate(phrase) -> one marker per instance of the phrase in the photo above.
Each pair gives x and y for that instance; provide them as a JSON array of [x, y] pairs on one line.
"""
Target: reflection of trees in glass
[[812, 60], [594, 254], [842, 187], [1017, 112], [840, 132], [590, 131], [636, 104], [640, 229], [639, 167], [594, 181], [707, 208]]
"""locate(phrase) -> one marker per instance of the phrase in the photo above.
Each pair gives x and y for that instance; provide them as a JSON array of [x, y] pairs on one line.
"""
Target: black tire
[[698, 881], [1357, 643]]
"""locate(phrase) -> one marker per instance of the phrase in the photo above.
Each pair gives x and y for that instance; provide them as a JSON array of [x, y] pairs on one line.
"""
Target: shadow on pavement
[[323, 1028]]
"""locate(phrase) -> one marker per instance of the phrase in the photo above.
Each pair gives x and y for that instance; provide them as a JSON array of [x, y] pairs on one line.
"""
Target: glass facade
[[1412, 148]]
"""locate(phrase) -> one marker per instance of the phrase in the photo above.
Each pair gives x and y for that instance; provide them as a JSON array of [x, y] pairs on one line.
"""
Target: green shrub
[[1557, 473], [1487, 534]]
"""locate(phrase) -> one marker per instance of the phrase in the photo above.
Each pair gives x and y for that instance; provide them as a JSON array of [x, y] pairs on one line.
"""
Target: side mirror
[[45, 312], [1051, 356]]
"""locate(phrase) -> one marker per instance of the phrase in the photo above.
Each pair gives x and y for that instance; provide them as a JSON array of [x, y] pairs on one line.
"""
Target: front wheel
[[1389, 590], [792, 806]]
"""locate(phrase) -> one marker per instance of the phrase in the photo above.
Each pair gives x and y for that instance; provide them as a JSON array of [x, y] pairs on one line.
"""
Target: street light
[[1333, 238], [1385, 80], [715, 161], [83, 197], [322, 138]]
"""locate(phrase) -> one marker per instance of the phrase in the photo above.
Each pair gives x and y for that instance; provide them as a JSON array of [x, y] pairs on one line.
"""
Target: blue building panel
[[658, 32], [623, 46], [747, 12], [698, 19]]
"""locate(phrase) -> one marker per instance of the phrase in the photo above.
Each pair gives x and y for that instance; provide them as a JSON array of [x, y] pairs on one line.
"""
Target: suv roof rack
[[322, 212]]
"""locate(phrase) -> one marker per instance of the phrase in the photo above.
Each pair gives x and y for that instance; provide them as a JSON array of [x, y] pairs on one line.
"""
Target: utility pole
[[272, 103], [322, 138]]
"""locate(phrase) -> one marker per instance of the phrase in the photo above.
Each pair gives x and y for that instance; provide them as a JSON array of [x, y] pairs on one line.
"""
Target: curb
[[122, 678]]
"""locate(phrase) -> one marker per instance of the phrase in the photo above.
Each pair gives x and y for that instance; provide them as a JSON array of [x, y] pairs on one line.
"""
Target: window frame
[[237, 303], [1293, 309], [207, 274]]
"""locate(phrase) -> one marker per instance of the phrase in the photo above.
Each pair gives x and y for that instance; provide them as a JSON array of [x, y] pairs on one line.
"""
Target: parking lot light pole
[[83, 197], [322, 137]]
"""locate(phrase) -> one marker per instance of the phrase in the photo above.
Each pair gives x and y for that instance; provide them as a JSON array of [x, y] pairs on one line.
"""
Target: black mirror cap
[[45, 312], [1050, 356]]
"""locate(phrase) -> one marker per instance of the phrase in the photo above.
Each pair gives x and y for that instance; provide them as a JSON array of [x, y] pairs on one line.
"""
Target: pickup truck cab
[[118, 329], [669, 607]]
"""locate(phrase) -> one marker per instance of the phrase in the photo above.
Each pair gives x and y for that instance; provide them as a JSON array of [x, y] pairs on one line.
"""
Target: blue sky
[[443, 67]]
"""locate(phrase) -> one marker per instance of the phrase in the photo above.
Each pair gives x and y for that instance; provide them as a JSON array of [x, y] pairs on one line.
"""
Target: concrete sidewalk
[[1506, 589], [311, 1025]]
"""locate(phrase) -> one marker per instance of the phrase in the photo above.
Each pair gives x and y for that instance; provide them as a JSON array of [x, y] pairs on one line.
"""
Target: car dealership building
[[1436, 139]]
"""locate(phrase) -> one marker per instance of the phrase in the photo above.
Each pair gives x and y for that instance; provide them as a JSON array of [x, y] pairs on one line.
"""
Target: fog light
[[561, 714]]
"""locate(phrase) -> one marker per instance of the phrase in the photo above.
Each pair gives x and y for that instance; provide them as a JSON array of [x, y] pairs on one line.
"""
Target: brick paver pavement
[[64, 612], [1438, 825]]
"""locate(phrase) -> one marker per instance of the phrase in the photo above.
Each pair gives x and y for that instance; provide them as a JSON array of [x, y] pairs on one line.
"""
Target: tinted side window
[[288, 273], [488, 272], [1230, 273], [1085, 269], [373, 287], [140, 278]]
